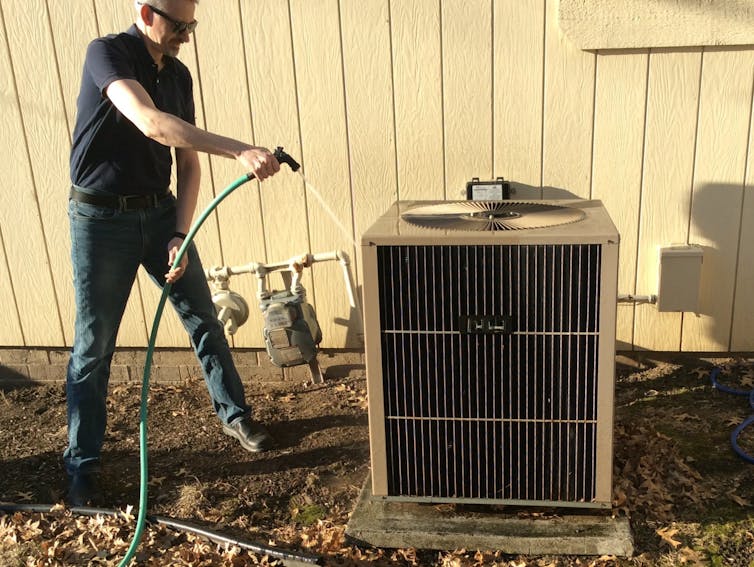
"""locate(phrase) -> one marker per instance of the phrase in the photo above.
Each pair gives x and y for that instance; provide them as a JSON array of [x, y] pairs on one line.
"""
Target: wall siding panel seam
[[252, 129], [199, 92], [543, 112], [637, 248], [443, 121], [718, 190], [742, 319], [96, 18], [738, 241], [50, 30], [2, 240], [300, 131], [315, 31], [594, 126], [349, 160], [641, 180], [696, 144], [392, 97], [492, 87], [682, 318], [672, 89], [9, 280], [68, 131], [741, 231], [269, 64]]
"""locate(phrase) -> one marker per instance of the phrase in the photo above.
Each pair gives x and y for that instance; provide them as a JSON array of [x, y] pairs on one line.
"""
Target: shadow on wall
[[524, 192], [11, 379], [355, 322], [716, 220]]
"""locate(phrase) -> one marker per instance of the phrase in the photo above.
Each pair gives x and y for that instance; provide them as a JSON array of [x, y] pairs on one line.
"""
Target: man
[[135, 103]]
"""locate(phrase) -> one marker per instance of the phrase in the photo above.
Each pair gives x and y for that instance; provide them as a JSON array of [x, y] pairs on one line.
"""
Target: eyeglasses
[[178, 26]]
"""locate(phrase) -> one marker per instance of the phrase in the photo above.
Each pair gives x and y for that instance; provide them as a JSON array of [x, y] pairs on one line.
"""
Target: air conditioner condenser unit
[[490, 343]]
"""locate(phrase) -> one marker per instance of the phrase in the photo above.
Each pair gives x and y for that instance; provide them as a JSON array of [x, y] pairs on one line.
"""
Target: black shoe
[[83, 489], [252, 435]]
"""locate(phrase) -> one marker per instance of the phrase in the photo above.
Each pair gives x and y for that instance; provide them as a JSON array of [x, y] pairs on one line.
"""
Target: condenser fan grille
[[491, 215]]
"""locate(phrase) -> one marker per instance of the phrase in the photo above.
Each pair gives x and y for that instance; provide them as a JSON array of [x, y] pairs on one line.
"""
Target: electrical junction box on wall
[[680, 278]]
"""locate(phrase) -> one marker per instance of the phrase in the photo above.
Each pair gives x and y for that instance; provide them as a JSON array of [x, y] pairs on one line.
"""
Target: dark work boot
[[252, 435], [83, 489]]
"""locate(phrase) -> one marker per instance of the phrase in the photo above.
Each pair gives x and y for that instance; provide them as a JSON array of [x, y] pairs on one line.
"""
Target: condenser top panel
[[493, 222], [491, 215]]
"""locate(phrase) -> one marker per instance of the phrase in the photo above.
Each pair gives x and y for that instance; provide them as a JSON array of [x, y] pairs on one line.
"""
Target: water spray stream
[[328, 210]]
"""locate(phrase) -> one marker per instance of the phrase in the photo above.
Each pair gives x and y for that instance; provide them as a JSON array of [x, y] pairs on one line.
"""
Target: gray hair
[[160, 4]]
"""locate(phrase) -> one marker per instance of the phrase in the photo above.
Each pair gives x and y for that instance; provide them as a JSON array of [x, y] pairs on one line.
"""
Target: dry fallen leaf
[[688, 555], [667, 536], [686, 416], [701, 372], [738, 500], [733, 421]]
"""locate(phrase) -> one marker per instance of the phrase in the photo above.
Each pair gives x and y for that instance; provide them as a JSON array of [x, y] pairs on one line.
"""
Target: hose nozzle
[[283, 157]]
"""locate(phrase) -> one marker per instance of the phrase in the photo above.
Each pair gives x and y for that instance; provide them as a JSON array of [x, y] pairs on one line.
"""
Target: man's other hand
[[175, 273]]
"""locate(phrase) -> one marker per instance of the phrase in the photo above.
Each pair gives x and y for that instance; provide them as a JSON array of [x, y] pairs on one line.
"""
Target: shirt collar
[[143, 52]]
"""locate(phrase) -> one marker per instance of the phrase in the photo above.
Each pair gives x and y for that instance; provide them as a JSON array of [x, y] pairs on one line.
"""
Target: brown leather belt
[[120, 202]]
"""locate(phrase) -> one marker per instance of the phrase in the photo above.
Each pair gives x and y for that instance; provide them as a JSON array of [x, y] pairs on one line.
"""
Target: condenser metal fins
[[490, 360], [491, 215], [490, 416]]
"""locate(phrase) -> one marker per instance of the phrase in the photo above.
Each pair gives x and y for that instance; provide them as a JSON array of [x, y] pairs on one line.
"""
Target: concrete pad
[[382, 523]]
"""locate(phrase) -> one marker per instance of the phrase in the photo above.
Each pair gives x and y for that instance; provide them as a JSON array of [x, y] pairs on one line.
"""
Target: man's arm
[[188, 171], [134, 102]]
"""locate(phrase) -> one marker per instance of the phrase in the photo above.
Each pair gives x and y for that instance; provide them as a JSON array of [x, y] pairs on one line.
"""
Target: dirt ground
[[689, 497]]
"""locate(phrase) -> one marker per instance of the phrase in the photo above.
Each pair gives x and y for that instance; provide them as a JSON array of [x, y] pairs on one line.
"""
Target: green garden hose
[[282, 157]]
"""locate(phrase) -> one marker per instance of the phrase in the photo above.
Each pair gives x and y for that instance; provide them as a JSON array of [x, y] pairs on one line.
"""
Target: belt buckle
[[141, 202]]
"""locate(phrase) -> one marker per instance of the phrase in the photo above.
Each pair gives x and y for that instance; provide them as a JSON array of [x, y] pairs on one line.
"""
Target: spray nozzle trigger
[[283, 157]]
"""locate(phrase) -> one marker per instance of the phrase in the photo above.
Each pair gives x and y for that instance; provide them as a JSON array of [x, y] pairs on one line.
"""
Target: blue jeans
[[107, 248]]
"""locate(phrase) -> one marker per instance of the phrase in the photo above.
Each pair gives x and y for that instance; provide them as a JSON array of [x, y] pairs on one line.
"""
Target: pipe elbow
[[342, 257]]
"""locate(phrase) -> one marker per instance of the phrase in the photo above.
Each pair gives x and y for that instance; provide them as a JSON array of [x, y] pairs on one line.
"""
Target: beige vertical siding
[[467, 82], [271, 74], [720, 167], [33, 150], [388, 99], [742, 337], [417, 94], [370, 119], [518, 58], [325, 152], [616, 171], [568, 113], [670, 138]]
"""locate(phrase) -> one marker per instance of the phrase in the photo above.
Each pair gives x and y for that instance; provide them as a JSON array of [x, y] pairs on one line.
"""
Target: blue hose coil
[[746, 423]]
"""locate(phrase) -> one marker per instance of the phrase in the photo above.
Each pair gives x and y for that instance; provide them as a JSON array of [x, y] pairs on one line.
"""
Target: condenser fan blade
[[491, 215]]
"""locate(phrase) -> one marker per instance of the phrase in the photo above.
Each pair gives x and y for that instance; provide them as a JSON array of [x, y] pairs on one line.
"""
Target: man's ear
[[145, 13]]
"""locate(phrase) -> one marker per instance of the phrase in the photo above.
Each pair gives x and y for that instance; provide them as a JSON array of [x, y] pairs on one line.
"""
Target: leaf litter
[[688, 497]]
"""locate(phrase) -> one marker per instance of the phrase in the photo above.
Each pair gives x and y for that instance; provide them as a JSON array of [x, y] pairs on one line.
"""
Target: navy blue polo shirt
[[109, 153]]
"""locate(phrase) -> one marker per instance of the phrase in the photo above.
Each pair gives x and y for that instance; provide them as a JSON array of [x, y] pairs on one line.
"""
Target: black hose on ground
[[289, 558]]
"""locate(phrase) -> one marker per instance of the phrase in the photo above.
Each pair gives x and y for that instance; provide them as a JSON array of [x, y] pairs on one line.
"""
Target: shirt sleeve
[[190, 113], [107, 63]]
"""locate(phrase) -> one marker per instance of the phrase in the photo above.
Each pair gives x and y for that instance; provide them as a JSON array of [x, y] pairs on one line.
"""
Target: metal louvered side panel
[[489, 371]]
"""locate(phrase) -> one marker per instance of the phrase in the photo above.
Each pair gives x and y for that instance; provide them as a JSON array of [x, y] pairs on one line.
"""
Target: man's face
[[163, 29]]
